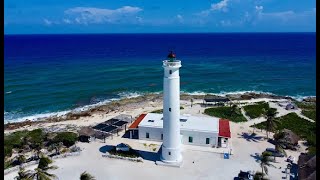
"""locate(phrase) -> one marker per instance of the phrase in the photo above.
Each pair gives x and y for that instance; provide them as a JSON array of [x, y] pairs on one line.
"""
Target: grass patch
[[302, 127], [131, 153], [308, 109], [292, 121], [305, 105], [160, 111], [226, 112], [256, 110], [311, 114]]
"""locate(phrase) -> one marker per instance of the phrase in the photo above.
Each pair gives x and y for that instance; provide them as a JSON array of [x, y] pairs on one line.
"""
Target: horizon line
[[289, 32]]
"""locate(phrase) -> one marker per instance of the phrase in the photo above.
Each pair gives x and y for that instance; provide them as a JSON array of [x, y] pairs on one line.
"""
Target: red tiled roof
[[135, 124], [224, 128]]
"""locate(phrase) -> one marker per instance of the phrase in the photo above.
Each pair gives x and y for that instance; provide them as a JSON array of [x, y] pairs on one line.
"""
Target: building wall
[[154, 133], [199, 138]]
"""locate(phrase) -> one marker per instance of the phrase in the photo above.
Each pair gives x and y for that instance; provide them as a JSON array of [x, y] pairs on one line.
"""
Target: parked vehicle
[[275, 152], [245, 175]]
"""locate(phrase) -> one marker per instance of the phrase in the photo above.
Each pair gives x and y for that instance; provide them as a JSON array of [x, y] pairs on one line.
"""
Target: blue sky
[[157, 16]]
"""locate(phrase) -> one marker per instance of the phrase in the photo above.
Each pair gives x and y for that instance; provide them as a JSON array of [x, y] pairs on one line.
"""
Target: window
[[161, 136], [207, 140], [190, 139], [170, 72], [150, 120], [169, 153], [170, 109], [147, 135]]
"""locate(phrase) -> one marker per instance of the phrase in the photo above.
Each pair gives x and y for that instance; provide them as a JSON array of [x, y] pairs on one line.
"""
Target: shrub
[[293, 122], [131, 153], [311, 114], [44, 162], [67, 138], [7, 151], [35, 138], [256, 110], [226, 112]]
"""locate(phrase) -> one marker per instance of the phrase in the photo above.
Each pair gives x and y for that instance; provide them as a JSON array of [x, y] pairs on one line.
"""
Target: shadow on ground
[[251, 137], [256, 157], [105, 148]]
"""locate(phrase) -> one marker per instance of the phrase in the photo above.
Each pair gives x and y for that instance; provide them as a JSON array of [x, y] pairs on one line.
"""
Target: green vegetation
[[131, 153], [310, 114], [86, 176], [256, 110], [160, 111], [305, 105], [41, 172], [232, 113], [308, 109], [67, 138], [302, 127]]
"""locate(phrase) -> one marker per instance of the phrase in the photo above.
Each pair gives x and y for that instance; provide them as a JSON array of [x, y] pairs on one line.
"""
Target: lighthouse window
[[170, 72], [170, 109], [147, 135], [161, 136], [190, 139]]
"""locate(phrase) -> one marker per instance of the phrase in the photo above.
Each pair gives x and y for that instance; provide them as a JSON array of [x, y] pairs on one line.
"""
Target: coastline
[[131, 103]]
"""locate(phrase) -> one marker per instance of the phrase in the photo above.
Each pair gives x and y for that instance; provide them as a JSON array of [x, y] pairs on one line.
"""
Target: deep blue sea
[[46, 74]]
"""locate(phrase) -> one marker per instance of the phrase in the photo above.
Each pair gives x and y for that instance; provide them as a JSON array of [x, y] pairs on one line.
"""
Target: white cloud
[[180, 18], [47, 22], [67, 21], [222, 5], [88, 15], [259, 8]]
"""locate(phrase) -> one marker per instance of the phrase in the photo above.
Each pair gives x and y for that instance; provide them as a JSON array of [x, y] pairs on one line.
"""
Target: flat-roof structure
[[194, 130], [187, 122]]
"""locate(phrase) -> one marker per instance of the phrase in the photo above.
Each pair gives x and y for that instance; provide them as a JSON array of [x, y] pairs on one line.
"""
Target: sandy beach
[[207, 164]]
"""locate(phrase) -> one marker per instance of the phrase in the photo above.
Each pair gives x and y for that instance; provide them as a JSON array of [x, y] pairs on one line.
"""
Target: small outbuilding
[[122, 147], [307, 167], [287, 138], [291, 106], [215, 100], [85, 134]]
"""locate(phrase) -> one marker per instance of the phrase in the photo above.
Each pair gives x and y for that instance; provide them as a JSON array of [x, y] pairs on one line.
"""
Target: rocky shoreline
[[130, 103]]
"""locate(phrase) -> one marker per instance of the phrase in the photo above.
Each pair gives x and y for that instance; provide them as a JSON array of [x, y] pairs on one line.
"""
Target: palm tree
[[264, 163], [279, 148], [233, 109], [41, 171], [86, 176], [23, 174], [271, 121]]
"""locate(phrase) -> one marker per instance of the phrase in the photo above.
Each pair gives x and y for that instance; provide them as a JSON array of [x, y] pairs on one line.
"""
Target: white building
[[173, 129], [194, 130]]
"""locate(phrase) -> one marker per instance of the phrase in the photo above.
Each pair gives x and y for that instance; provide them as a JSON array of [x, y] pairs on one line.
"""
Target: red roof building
[[224, 128], [136, 123]]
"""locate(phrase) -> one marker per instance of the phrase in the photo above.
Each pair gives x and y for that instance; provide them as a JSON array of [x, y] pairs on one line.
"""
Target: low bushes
[[131, 153], [309, 114], [302, 127], [234, 115], [256, 110], [67, 138]]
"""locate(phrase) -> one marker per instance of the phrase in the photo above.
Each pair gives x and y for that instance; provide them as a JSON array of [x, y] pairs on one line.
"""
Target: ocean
[[49, 74]]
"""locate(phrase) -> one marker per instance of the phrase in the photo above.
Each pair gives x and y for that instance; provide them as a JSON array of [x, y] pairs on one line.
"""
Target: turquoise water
[[55, 73]]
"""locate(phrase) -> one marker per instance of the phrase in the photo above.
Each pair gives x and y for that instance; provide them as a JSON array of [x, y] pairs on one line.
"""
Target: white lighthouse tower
[[171, 147]]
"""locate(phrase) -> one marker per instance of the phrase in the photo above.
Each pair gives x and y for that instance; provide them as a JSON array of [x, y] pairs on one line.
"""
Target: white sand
[[207, 165]]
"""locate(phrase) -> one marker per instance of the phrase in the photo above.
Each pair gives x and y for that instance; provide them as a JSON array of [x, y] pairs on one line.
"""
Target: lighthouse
[[171, 147]]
